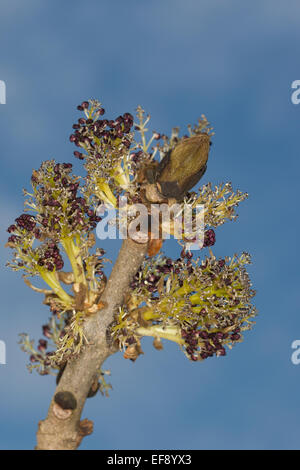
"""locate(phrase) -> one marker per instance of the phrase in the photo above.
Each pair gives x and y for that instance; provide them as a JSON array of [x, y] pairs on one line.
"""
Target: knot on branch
[[65, 400]]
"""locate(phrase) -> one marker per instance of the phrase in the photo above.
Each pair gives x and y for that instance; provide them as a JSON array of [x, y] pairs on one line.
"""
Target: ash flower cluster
[[202, 306], [219, 203], [41, 356], [97, 136], [60, 228], [104, 144]]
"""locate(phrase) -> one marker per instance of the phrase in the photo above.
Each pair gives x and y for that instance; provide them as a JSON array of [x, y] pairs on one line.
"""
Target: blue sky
[[235, 62]]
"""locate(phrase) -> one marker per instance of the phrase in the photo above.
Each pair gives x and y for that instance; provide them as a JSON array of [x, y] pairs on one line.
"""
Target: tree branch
[[62, 429]]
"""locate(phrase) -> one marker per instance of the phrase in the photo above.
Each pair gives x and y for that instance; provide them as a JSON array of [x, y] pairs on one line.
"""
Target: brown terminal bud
[[182, 167]]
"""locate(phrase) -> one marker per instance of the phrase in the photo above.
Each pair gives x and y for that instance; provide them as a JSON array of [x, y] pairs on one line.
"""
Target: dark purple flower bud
[[126, 143], [46, 331], [50, 267], [209, 238], [203, 334], [85, 104], [80, 108], [56, 168], [11, 228], [78, 155], [34, 179], [193, 342], [127, 128], [235, 337], [120, 133], [81, 201], [128, 117], [166, 269], [221, 352], [37, 233], [119, 120], [59, 264]]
